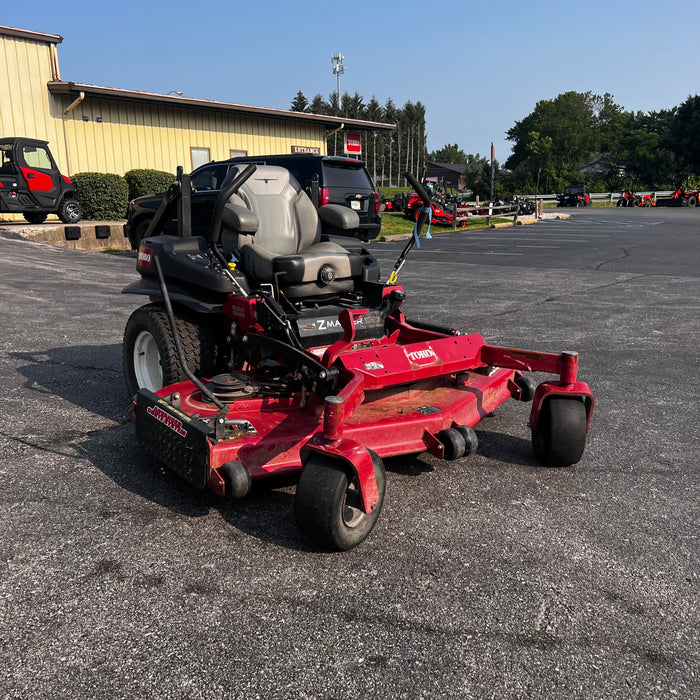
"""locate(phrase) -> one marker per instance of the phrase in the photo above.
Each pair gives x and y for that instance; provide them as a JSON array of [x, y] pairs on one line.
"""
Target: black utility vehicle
[[31, 184], [574, 196], [326, 179]]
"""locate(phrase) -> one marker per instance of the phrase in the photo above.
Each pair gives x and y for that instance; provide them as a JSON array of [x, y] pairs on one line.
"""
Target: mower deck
[[392, 399]]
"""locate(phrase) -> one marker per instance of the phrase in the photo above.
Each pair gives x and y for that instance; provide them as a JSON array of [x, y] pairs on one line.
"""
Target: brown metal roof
[[28, 34], [59, 87]]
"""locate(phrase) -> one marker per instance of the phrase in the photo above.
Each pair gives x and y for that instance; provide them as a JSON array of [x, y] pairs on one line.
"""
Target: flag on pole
[[493, 168]]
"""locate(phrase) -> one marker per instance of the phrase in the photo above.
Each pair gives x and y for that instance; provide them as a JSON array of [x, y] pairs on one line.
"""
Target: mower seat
[[276, 231]]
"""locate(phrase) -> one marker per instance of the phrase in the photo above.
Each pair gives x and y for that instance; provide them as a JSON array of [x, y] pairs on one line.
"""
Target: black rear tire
[[149, 351], [326, 505], [560, 436], [35, 217]]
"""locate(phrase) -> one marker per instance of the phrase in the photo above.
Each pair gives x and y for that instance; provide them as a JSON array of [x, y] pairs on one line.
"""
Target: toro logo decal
[[167, 420], [145, 255], [426, 356]]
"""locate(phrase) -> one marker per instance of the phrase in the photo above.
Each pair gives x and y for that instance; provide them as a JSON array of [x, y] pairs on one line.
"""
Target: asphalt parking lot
[[489, 577]]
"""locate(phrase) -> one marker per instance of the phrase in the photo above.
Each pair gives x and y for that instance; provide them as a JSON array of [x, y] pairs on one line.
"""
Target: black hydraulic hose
[[227, 189], [418, 188], [178, 344]]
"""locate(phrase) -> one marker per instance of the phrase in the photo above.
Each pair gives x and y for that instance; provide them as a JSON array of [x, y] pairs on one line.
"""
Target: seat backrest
[[288, 221]]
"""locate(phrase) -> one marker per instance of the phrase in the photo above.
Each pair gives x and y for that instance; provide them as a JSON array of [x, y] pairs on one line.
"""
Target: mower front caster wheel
[[458, 442], [527, 386], [327, 504], [559, 437]]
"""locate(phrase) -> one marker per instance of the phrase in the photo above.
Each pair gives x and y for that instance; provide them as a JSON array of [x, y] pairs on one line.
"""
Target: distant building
[[449, 174], [601, 164], [104, 129]]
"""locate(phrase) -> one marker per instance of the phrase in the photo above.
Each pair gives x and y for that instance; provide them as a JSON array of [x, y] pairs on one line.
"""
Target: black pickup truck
[[32, 185], [327, 180]]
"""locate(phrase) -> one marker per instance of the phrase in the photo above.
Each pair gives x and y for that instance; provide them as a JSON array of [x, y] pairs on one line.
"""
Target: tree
[[449, 153], [390, 141], [300, 103], [318, 105], [685, 133], [477, 175]]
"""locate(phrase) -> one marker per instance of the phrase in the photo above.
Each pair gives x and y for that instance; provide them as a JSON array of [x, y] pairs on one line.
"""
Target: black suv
[[574, 196], [327, 180]]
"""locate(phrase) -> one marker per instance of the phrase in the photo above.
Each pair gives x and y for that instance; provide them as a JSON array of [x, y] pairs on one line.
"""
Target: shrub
[[103, 196], [145, 181]]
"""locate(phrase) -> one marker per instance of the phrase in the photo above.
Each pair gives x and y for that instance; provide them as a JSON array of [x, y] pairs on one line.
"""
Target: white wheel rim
[[147, 367]]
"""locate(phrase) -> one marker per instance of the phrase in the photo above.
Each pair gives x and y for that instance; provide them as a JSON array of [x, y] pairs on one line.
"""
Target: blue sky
[[477, 67]]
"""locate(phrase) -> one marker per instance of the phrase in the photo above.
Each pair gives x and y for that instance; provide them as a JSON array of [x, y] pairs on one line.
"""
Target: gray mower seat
[[281, 242]]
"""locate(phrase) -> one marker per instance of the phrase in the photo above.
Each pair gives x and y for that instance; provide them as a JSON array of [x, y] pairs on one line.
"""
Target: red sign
[[353, 144]]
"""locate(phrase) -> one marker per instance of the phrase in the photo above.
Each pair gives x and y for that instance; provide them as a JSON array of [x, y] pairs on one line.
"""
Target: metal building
[[111, 130]]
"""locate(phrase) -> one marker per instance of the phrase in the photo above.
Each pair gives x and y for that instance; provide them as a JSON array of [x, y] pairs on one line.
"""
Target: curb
[[89, 235]]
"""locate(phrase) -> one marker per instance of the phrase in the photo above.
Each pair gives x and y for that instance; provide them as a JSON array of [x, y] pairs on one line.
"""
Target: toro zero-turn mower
[[270, 349]]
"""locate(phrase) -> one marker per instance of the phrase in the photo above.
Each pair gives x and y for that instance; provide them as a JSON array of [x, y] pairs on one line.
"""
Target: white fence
[[611, 197]]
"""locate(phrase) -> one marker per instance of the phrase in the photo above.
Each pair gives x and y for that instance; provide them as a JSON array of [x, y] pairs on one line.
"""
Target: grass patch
[[395, 224]]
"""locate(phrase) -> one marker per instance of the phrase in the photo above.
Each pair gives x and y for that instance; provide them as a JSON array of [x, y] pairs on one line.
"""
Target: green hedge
[[103, 196], [142, 181]]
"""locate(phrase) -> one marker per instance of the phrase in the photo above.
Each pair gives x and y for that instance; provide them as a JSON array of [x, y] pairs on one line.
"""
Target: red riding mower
[[269, 349], [443, 205]]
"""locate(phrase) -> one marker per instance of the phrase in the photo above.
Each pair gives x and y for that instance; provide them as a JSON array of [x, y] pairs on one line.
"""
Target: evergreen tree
[[300, 103], [318, 105]]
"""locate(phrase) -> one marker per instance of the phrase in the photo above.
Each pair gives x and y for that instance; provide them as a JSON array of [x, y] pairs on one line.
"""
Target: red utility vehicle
[[687, 198], [630, 199], [269, 349], [31, 184]]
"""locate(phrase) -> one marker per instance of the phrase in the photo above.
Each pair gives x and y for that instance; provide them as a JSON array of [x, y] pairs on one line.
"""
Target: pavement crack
[[40, 358], [625, 254], [559, 297]]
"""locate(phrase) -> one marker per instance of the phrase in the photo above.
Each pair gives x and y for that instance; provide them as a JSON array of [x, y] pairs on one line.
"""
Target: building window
[[236, 154], [200, 156]]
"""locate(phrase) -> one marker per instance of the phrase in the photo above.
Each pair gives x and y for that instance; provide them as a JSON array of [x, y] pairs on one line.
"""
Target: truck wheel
[[35, 217], [560, 436], [149, 352], [70, 211], [327, 503]]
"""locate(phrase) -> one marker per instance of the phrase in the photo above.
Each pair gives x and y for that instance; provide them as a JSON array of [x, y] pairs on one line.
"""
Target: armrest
[[239, 218], [339, 217]]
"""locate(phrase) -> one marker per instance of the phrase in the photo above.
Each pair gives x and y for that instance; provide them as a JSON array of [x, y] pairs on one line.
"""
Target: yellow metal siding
[[132, 135], [128, 134], [24, 100]]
